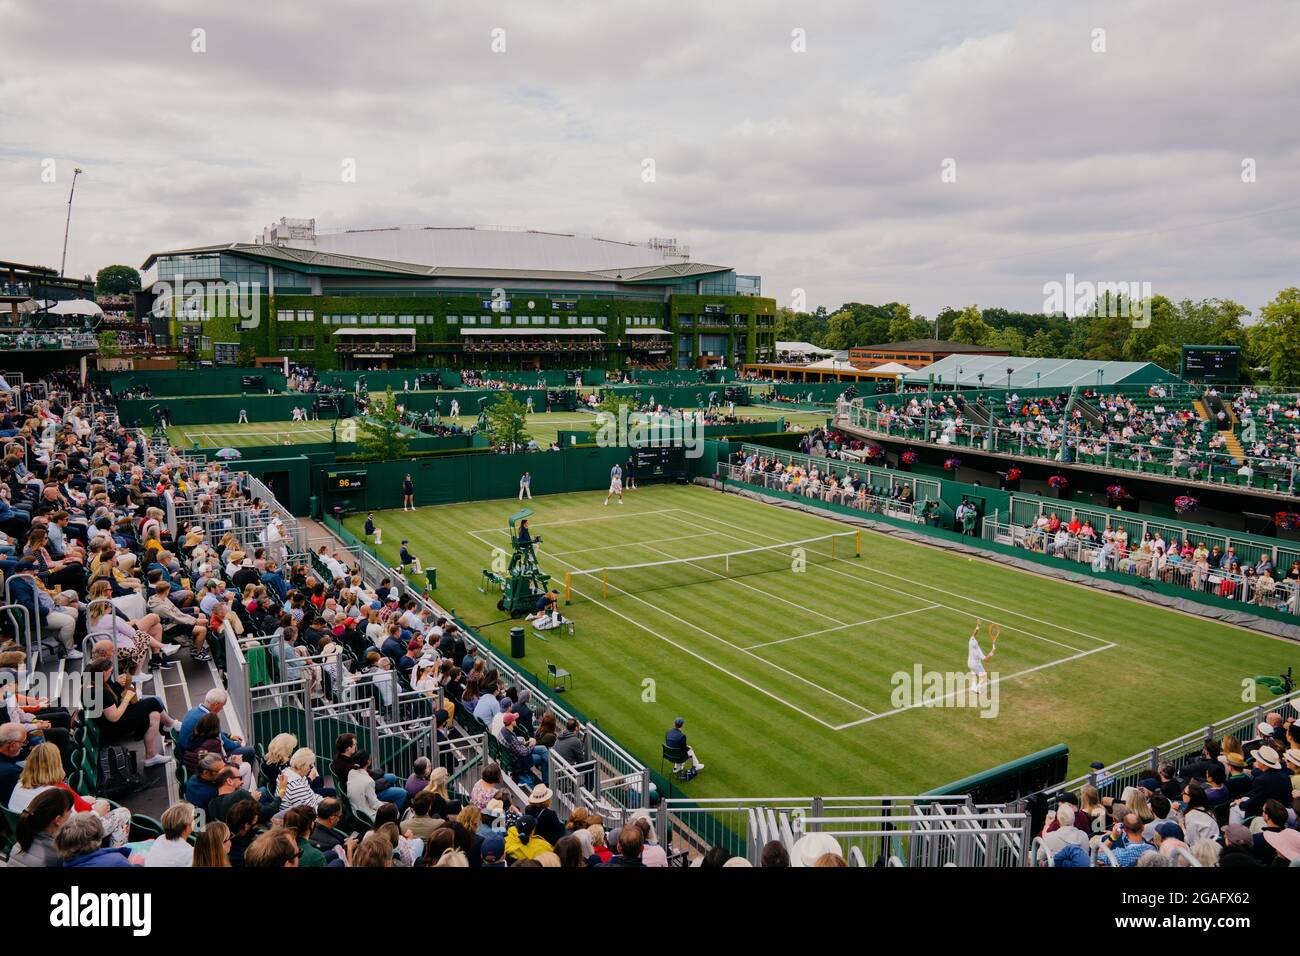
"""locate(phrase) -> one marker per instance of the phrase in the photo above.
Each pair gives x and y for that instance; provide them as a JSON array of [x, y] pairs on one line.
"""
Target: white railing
[[946, 428], [844, 496], [1283, 595]]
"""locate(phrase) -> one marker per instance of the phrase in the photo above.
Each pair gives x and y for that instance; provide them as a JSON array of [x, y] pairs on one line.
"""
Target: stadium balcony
[[1194, 452], [46, 341]]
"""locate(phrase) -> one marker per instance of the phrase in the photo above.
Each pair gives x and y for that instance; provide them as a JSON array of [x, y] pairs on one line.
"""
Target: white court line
[[737, 647], [1000, 679], [744, 584], [875, 583], [827, 630]]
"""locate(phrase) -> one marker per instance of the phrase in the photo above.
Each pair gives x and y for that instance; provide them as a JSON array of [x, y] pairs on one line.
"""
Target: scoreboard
[[1212, 363], [345, 481], [652, 462]]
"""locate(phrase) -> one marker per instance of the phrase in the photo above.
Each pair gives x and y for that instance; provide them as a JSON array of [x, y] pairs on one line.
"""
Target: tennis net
[[789, 557]]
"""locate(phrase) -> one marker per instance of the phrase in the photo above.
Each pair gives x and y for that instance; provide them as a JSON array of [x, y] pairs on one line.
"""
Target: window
[[468, 319], [369, 319], [573, 320], [505, 319], [349, 319], [284, 315], [453, 319], [285, 343], [587, 320], [410, 319], [307, 315], [307, 342], [601, 320], [555, 320], [388, 320]]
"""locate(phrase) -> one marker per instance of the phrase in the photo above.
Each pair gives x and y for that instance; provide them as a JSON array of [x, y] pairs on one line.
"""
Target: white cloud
[[818, 170]]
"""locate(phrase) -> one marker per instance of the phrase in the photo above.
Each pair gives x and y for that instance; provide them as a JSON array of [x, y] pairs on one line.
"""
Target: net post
[[834, 538], [568, 588], [857, 544], [604, 581]]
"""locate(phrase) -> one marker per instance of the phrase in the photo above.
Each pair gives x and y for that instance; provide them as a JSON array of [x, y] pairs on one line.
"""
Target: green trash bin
[[516, 642], [431, 575]]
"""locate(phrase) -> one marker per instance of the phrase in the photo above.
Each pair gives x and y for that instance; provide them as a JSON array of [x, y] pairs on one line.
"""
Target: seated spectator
[[126, 716], [522, 843], [173, 847], [212, 846], [294, 786], [80, 844], [34, 836], [630, 842], [275, 849]]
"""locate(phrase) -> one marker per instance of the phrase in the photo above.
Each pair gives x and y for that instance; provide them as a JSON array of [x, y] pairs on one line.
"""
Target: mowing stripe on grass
[[827, 630], [870, 571], [722, 640]]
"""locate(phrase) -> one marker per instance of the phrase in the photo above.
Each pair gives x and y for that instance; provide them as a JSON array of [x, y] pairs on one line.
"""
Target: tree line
[[1270, 342]]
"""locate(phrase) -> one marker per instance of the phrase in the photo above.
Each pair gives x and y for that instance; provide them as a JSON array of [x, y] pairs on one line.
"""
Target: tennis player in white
[[615, 484], [975, 656]]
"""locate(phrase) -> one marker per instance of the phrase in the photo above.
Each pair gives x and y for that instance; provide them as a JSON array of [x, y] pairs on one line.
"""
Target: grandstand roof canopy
[[1029, 372], [805, 347]]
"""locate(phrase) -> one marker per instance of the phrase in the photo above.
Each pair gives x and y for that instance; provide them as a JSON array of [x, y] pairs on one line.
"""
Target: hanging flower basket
[[1059, 482], [1013, 474], [952, 464], [1116, 492], [908, 458], [1287, 520], [874, 452], [1185, 503]]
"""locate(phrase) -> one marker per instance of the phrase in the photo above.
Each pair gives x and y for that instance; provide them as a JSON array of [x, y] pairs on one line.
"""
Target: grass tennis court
[[785, 676], [249, 434]]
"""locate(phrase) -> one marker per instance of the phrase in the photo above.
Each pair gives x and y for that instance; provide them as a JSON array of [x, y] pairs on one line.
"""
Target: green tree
[[117, 280], [1276, 339], [903, 327], [383, 436], [507, 420], [970, 327], [841, 332], [1007, 340], [108, 346], [1044, 344]]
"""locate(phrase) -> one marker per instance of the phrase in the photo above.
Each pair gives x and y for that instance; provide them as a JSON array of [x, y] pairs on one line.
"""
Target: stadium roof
[[807, 347], [315, 262], [928, 345], [891, 368], [1029, 372]]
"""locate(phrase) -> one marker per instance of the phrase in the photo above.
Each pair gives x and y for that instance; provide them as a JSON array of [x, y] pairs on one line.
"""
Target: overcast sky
[[819, 170]]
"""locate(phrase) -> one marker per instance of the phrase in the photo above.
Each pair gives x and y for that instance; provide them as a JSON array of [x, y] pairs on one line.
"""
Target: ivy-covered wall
[[438, 342]]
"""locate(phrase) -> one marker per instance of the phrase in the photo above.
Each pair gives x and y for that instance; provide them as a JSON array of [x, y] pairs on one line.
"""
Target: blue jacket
[[277, 584], [104, 856], [191, 720]]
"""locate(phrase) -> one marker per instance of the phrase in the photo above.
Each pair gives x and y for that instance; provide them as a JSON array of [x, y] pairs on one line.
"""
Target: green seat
[[90, 773], [557, 678], [144, 828]]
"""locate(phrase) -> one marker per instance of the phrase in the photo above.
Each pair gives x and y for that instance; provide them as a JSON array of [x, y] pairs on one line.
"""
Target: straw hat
[[1268, 757], [811, 847]]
